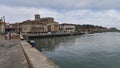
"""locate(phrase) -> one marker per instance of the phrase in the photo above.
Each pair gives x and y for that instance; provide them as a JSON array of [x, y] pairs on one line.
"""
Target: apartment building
[[53, 27], [67, 27], [40, 25], [0, 26]]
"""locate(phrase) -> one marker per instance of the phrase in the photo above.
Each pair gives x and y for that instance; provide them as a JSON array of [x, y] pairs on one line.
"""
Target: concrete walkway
[[11, 54], [20, 54], [36, 58]]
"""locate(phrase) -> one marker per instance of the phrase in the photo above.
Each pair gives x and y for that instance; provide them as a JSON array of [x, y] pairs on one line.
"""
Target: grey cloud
[[65, 4], [20, 3], [109, 18], [19, 10]]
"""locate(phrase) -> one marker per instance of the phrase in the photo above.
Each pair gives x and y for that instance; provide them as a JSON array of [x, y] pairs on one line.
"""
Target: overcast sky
[[97, 12]]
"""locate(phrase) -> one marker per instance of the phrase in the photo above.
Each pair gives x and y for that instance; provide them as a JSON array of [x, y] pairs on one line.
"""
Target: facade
[[67, 27], [26, 26], [33, 26], [18, 27], [53, 27], [37, 17], [0, 26], [39, 25]]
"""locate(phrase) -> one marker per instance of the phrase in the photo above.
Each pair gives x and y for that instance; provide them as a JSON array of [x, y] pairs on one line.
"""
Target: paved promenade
[[11, 54], [36, 58]]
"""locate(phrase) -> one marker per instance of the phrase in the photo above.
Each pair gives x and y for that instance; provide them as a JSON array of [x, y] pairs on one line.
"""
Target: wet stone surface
[[11, 55]]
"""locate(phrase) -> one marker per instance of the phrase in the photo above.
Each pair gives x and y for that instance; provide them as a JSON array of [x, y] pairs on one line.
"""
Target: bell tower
[[37, 17]]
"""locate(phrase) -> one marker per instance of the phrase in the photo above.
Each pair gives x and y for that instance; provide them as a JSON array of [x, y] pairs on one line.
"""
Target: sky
[[97, 12]]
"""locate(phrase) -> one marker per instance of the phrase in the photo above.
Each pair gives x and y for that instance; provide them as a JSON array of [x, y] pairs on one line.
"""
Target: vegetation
[[89, 26], [93, 28]]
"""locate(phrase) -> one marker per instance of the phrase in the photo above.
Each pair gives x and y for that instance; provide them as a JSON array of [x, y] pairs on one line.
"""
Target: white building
[[67, 27]]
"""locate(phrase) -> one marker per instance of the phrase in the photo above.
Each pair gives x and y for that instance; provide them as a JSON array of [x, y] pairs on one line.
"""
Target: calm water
[[100, 50]]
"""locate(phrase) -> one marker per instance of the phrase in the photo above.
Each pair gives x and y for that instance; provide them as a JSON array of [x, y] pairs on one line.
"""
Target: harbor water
[[99, 50]]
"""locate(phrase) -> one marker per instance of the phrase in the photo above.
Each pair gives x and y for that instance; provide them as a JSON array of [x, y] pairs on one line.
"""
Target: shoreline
[[35, 58]]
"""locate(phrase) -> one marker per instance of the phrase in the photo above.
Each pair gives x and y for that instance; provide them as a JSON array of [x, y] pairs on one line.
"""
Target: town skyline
[[104, 13]]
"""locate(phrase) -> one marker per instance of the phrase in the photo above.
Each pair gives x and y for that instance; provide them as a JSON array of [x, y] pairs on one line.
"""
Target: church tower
[[37, 17]]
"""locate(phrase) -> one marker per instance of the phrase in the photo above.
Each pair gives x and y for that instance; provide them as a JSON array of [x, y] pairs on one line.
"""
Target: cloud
[[14, 14], [109, 18], [81, 11], [65, 4]]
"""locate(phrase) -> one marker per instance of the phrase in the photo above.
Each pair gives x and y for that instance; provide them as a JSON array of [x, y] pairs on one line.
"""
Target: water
[[100, 50]]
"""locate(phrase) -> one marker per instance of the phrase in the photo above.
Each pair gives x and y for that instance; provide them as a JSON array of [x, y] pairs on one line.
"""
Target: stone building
[[18, 27], [39, 25], [37, 17], [53, 27], [0, 26], [26, 26], [67, 27]]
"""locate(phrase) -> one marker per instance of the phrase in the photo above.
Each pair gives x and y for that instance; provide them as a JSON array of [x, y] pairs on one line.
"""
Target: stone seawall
[[35, 58]]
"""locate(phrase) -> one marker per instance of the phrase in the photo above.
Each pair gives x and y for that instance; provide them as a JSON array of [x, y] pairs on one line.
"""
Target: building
[[18, 27], [67, 27], [33, 26], [37, 17], [11, 27], [0, 26], [39, 25], [26, 26], [53, 27]]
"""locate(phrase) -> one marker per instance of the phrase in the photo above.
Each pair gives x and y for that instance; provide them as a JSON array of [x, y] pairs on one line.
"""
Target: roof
[[67, 24]]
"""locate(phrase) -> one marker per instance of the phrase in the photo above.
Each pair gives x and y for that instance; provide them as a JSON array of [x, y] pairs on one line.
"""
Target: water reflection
[[51, 43], [100, 50]]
